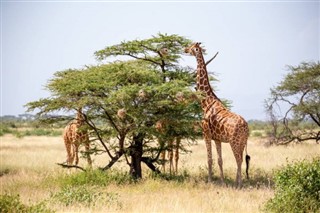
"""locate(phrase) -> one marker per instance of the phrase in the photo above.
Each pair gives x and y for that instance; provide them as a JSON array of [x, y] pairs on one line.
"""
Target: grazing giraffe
[[219, 123], [74, 136], [173, 148]]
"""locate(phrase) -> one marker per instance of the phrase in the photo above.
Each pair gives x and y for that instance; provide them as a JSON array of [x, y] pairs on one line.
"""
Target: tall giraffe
[[74, 136], [219, 123]]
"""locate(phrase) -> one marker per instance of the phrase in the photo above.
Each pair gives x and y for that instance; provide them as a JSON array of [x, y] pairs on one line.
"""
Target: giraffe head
[[80, 117], [194, 49]]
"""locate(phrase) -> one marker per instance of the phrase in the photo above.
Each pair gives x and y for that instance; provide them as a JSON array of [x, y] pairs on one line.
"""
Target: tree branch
[[71, 166], [148, 162], [314, 119], [113, 161], [93, 126], [145, 59], [111, 120]]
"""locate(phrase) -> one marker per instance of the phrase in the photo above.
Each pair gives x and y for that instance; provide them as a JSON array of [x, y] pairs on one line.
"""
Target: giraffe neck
[[203, 83]]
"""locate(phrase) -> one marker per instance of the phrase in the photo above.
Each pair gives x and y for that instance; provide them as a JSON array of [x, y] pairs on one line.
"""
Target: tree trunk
[[136, 150]]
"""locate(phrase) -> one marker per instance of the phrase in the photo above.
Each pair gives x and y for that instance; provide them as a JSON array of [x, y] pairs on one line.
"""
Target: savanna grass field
[[30, 177]]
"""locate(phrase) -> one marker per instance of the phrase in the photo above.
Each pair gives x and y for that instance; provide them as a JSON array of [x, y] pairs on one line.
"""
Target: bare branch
[[95, 129], [145, 59], [113, 161], [148, 162], [71, 166]]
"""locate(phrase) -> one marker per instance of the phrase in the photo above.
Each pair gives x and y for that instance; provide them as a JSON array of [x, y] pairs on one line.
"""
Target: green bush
[[37, 132], [77, 195], [297, 188], [4, 129], [256, 134], [12, 203], [96, 178], [85, 196]]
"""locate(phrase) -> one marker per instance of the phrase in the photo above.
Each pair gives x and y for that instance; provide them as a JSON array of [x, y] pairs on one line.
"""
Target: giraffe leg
[[163, 157], [170, 156], [76, 149], [207, 138], [178, 140], [69, 151], [239, 178], [219, 153], [87, 147], [238, 151]]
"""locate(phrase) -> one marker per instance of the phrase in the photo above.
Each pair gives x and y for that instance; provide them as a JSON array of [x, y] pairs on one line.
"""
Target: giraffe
[[73, 137], [173, 148], [218, 123]]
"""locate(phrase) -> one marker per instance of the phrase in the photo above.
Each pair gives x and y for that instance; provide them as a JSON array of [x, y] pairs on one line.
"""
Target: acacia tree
[[123, 100], [298, 96]]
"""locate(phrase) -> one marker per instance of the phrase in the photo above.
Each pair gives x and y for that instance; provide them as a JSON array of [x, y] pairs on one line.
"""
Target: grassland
[[28, 168]]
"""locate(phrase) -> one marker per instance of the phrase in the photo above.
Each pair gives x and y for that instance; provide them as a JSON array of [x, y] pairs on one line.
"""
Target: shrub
[[256, 134], [71, 195], [12, 203], [86, 196], [36, 132], [4, 130], [182, 177], [297, 188], [96, 178]]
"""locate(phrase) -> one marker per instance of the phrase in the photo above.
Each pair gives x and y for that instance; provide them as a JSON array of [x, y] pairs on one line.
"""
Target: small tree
[[299, 94], [123, 100]]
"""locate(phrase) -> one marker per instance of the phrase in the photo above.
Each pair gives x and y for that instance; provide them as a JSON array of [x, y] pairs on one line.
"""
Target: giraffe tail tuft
[[247, 165]]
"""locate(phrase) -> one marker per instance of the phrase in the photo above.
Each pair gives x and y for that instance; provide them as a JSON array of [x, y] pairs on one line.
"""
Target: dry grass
[[28, 164]]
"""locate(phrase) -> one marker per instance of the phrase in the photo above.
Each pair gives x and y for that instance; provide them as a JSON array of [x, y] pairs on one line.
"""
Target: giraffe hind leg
[[220, 162], [238, 149], [75, 153]]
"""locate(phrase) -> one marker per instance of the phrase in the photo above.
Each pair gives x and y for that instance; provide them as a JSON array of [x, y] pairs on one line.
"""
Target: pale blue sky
[[255, 40]]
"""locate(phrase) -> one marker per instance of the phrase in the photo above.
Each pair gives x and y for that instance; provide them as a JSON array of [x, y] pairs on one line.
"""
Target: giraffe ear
[[199, 43]]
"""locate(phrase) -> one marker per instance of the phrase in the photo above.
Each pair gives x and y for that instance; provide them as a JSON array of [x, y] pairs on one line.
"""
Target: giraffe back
[[226, 126]]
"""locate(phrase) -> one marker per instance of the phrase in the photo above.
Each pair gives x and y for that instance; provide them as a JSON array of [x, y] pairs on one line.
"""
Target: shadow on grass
[[258, 179]]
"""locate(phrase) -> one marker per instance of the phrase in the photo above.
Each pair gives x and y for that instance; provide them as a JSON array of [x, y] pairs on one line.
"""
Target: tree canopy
[[298, 96], [122, 100]]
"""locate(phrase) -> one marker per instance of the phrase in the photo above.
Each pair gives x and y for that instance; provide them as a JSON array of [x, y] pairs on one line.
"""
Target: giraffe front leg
[[220, 162], [87, 147], [69, 152], [207, 138]]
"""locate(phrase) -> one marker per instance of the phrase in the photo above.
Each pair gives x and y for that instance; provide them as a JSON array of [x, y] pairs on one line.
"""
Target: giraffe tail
[[247, 162]]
